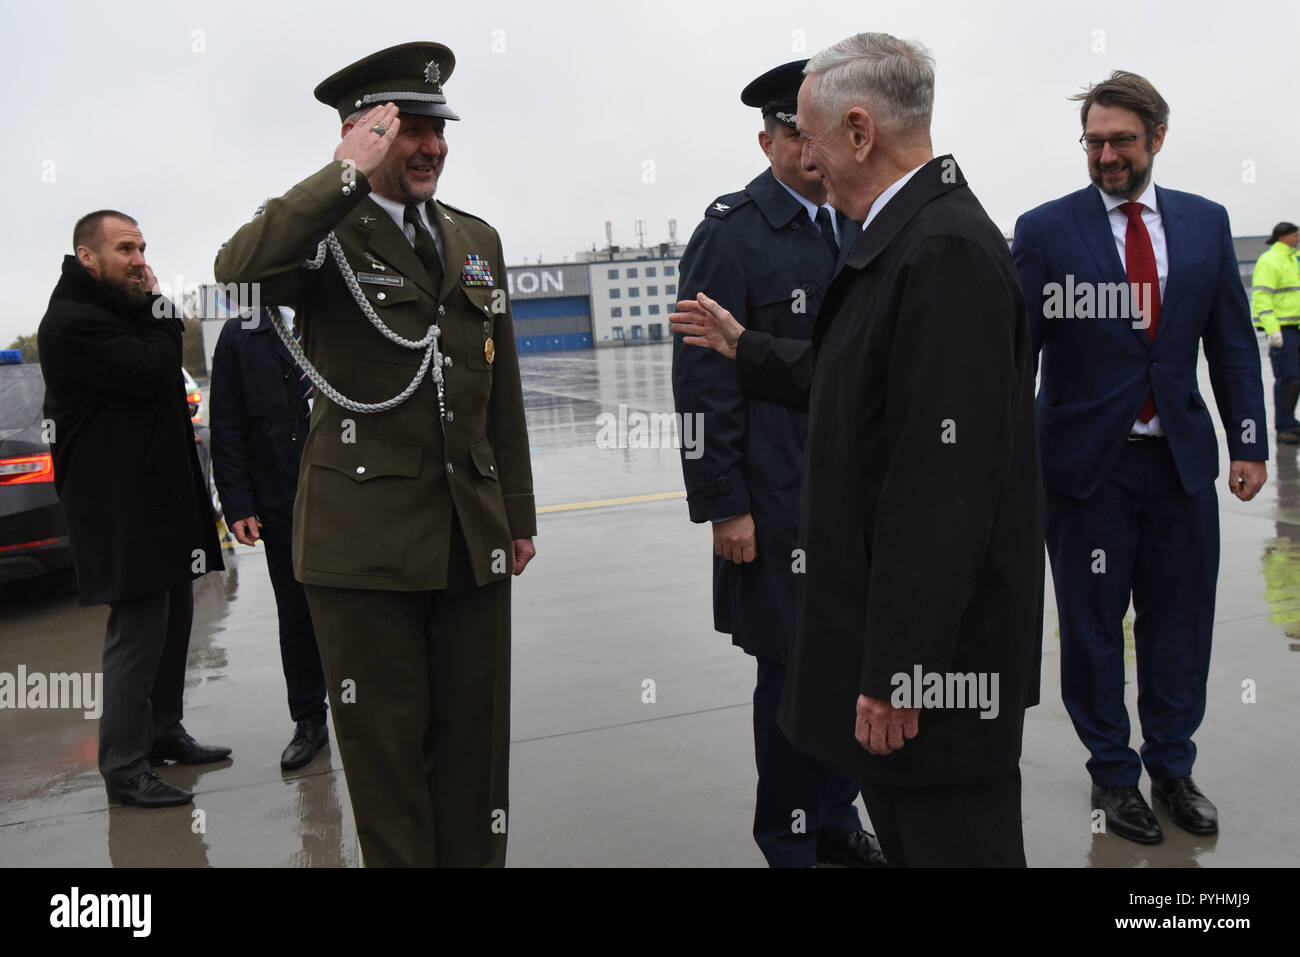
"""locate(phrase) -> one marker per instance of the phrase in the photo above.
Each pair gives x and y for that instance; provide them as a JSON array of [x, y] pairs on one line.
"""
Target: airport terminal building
[[609, 297]]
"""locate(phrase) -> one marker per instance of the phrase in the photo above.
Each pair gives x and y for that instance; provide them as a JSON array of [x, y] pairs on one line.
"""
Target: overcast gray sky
[[569, 108]]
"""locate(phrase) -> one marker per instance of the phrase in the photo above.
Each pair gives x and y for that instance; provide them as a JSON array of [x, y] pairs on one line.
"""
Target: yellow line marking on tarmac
[[607, 502]]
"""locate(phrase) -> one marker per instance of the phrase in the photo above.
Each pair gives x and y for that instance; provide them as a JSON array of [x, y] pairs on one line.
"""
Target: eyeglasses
[[1119, 142]]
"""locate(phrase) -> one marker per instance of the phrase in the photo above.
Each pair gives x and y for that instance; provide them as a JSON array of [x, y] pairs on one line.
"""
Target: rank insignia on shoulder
[[476, 271], [721, 207]]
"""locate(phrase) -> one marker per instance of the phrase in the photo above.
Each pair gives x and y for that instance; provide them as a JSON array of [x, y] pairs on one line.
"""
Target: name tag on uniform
[[380, 280]]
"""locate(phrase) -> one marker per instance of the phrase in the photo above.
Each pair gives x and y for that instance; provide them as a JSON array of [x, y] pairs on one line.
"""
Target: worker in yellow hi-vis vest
[[1275, 307]]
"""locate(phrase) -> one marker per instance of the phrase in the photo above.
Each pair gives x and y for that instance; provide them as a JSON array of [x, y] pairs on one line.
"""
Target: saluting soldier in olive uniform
[[415, 499]]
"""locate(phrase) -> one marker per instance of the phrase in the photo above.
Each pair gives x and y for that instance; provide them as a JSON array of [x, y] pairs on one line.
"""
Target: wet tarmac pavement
[[618, 596]]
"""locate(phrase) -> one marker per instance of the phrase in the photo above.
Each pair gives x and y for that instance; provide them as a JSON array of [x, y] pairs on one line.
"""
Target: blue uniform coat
[[259, 425], [759, 255]]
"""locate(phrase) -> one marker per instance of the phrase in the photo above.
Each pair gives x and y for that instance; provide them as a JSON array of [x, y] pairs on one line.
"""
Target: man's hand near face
[[365, 148]]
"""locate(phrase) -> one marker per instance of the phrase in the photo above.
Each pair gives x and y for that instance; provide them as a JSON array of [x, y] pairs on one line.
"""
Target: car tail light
[[195, 400], [36, 544], [27, 468]]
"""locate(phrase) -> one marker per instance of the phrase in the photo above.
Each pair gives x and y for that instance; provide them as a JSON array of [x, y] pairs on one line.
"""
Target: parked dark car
[[33, 534]]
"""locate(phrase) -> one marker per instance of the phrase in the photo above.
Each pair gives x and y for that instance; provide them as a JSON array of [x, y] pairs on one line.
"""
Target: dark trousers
[[799, 799], [1286, 379], [420, 687], [1161, 546], [958, 825], [145, 648], [303, 676]]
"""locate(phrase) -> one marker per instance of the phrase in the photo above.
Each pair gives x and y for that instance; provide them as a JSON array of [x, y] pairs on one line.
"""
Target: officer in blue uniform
[[767, 254]]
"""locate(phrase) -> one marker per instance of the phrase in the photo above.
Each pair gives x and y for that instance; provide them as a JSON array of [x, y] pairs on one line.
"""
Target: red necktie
[[1140, 263]]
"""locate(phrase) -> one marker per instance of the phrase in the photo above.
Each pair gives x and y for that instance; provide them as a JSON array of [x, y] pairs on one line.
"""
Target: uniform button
[[446, 361], [487, 310], [381, 296], [442, 310], [451, 416], [492, 468], [361, 470], [450, 468]]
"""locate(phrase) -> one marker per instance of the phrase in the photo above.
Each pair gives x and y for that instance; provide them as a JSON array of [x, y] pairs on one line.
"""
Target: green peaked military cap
[[776, 91], [409, 75]]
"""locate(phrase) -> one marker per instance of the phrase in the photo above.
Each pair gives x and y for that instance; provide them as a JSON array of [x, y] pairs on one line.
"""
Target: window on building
[[616, 312], [654, 310], [649, 272], [670, 289], [616, 332], [631, 273], [633, 292], [670, 270], [634, 310], [612, 274], [615, 294], [652, 290]]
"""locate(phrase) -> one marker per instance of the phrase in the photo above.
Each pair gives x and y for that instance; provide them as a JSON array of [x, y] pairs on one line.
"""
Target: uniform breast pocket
[[786, 308], [478, 324], [384, 291]]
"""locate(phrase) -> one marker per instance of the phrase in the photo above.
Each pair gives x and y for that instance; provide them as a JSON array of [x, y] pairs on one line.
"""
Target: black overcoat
[[921, 510], [260, 420], [125, 465]]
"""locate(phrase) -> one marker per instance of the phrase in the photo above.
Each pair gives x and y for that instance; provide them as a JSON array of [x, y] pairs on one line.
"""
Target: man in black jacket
[[259, 403], [768, 252], [921, 510], [139, 517]]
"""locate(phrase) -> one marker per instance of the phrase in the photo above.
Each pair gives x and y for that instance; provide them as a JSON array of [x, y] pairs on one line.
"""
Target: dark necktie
[[827, 229], [425, 247], [1140, 263]]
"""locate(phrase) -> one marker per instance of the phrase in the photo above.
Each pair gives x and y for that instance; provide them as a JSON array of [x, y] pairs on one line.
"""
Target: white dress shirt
[[812, 208], [398, 211], [889, 193], [1156, 229]]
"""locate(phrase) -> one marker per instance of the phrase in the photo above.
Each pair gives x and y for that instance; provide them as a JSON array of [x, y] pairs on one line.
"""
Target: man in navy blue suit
[[1124, 281]]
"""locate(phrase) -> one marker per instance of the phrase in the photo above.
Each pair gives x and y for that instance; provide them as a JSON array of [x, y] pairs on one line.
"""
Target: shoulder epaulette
[[457, 209], [724, 205]]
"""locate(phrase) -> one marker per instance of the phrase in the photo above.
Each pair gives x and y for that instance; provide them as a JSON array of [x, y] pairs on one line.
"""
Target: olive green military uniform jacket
[[376, 491]]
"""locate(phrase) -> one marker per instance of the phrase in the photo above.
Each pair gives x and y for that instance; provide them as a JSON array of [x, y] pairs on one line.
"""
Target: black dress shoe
[[1128, 814], [146, 789], [859, 849], [1290, 437], [308, 738], [178, 746], [1190, 809]]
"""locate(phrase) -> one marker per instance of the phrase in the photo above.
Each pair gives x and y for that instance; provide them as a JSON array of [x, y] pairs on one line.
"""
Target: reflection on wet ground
[[619, 593]]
